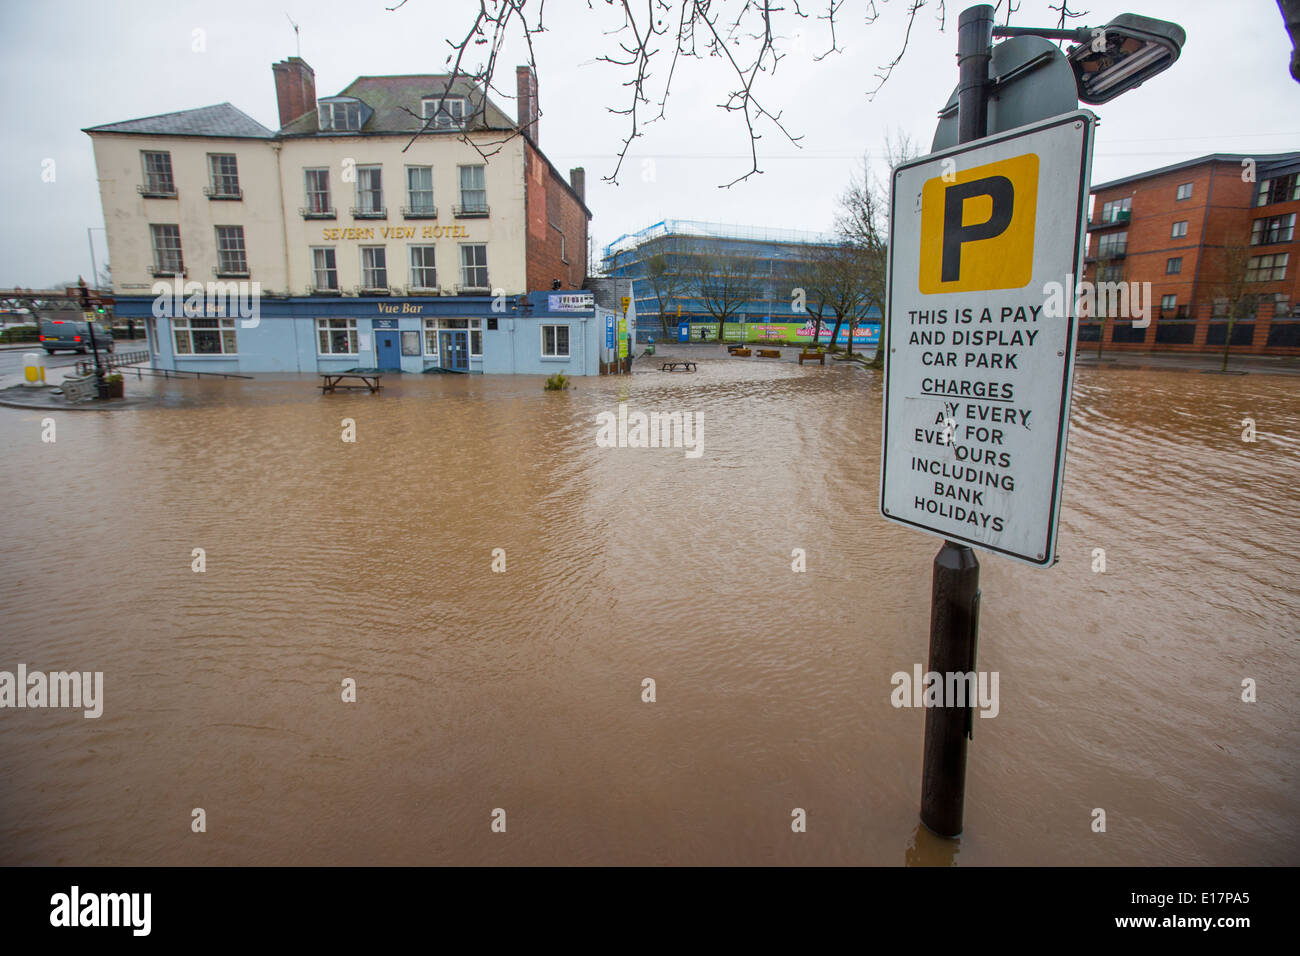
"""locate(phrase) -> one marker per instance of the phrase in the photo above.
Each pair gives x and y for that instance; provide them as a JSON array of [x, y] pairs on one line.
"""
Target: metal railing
[[112, 360]]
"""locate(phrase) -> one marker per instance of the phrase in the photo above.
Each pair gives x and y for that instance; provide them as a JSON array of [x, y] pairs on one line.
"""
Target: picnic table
[[332, 381], [674, 366]]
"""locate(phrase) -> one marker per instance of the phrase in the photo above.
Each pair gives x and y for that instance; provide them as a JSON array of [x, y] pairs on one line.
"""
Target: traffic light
[[84, 294]]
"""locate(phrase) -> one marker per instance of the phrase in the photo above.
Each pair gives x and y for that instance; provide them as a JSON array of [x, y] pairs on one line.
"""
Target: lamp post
[[1107, 62], [101, 389]]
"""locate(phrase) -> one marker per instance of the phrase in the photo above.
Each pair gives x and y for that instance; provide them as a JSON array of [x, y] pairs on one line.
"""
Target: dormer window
[[340, 115], [446, 113]]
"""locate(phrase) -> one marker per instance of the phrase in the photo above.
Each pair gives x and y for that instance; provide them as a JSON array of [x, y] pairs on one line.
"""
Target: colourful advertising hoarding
[[868, 333]]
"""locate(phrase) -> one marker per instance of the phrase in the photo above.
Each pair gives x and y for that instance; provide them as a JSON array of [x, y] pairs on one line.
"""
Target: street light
[[1027, 78], [1124, 54]]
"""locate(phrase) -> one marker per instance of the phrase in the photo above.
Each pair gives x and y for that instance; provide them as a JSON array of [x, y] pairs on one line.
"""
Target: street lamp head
[[1124, 54]]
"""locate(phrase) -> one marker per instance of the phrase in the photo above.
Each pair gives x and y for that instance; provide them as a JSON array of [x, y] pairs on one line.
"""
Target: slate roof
[[220, 120], [1274, 163], [387, 95]]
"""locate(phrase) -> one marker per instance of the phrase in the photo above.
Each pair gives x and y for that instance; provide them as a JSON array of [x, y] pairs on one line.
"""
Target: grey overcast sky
[[70, 65]]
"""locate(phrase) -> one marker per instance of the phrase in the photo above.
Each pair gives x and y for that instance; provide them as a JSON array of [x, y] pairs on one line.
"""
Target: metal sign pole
[[954, 597]]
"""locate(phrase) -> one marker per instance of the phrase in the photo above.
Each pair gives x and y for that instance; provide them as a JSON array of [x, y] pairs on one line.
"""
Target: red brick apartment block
[[1214, 236]]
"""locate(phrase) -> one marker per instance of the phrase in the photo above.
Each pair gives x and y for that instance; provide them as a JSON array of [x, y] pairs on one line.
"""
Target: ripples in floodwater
[[522, 690]]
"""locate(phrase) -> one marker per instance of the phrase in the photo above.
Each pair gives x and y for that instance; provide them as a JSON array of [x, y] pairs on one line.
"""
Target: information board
[[986, 240]]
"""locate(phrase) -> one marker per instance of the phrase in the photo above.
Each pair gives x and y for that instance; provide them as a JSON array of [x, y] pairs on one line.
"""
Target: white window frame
[[364, 174], [331, 326], [475, 333], [1174, 266], [307, 184], [451, 116], [421, 208], [422, 248], [225, 247], [351, 112], [568, 341], [317, 271], [159, 265], [377, 285], [223, 183], [1184, 192], [150, 183], [464, 267], [1175, 232], [431, 339], [478, 205], [1168, 303], [189, 324]]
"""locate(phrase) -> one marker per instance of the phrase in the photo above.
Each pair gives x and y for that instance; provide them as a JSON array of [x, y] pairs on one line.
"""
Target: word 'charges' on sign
[[977, 389]]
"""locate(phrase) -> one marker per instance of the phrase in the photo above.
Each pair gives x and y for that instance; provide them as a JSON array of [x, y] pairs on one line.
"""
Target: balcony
[[233, 193], [470, 211], [1109, 254], [420, 212], [157, 190], [1119, 219], [308, 213], [359, 212]]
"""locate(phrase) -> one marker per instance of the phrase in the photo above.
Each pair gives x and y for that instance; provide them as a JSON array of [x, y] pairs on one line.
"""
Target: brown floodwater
[[522, 690]]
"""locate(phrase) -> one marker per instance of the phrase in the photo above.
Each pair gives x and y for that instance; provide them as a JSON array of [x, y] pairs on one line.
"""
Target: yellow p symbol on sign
[[977, 229]]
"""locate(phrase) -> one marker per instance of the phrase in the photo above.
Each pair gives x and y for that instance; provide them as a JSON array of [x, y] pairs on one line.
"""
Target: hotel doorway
[[388, 351], [453, 350]]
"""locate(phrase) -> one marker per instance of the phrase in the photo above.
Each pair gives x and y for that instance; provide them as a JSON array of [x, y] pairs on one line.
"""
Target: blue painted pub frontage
[[539, 333]]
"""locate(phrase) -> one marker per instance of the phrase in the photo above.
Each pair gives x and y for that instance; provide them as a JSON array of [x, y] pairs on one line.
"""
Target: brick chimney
[[526, 85], [295, 88], [578, 180]]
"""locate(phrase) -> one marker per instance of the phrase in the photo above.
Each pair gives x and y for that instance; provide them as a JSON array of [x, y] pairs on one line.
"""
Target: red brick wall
[[552, 209]]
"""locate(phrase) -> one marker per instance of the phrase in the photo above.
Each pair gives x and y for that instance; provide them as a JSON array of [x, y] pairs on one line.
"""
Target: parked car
[[72, 334]]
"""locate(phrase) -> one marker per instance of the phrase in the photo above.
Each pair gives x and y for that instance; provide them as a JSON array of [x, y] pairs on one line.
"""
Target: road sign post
[[979, 371]]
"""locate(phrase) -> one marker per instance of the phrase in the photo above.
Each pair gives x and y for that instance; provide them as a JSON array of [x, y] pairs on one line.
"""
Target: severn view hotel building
[[406, 223]]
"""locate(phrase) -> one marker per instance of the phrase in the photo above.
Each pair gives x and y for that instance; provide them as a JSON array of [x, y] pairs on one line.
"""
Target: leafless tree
[[666, 282], [813, 279], [1233, 282], [723, 282], [863, 225], [651, 42]]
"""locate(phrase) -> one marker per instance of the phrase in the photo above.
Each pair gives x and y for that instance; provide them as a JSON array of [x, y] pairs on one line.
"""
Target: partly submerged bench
[[332, 381], [674, 366], [818, 357], [769, 353]]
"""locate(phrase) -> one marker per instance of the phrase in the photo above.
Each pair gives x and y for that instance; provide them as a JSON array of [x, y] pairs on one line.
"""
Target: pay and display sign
[[981, 354]]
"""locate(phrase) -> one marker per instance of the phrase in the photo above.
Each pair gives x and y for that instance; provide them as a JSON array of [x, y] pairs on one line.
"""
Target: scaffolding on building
[[699, 229]]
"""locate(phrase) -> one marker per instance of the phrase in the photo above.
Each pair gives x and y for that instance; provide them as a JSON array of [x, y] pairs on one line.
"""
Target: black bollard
[[954, 629]]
